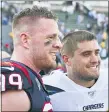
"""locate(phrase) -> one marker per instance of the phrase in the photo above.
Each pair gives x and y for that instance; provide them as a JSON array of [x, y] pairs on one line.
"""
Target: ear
[[67, 60], [25, 40]]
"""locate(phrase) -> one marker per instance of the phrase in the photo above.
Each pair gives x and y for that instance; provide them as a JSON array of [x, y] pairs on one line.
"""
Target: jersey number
[[11, 81]]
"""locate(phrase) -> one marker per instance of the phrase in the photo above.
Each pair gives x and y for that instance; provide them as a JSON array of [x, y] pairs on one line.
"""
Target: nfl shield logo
[[91, 93]]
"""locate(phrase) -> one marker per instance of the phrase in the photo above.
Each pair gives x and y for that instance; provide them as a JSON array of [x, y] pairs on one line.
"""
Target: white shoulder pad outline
[[57, 72]]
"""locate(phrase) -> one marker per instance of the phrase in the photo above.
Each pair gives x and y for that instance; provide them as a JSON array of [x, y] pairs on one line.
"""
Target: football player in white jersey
[[84, 87]]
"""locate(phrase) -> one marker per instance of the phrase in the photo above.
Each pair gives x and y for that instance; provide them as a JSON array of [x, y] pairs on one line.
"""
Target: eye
[[51, 37], [48, 42], [86, 54], [97, 52]]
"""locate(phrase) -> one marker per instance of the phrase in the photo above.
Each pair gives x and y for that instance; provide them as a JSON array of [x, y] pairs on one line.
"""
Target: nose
[[57, 44], [95, 58]]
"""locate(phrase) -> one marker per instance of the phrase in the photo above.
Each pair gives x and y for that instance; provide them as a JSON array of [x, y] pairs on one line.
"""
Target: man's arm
[[13, 100]]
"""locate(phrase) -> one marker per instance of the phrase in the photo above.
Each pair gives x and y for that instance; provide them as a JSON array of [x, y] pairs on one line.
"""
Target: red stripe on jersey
[[22, 69], [40, 78], [47, 107]]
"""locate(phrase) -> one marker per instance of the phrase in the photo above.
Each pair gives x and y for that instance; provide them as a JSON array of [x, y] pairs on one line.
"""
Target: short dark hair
[[71, 40], [34, 12]]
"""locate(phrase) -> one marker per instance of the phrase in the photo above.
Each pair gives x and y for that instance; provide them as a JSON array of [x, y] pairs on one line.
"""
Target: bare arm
[[15, 101]]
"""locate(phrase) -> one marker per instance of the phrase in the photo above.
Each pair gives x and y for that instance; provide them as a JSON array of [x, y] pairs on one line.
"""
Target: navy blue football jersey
[[17, 76]]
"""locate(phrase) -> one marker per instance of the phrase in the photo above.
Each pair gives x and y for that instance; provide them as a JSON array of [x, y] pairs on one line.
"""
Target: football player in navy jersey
[[36, 43]]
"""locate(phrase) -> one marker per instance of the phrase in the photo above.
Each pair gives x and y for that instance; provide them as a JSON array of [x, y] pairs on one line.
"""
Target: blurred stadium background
[[73, 15]]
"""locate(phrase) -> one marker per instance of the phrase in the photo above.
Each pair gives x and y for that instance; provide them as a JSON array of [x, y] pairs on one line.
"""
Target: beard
[[90, 77], [44, 63], [87, 77], [48, 64]]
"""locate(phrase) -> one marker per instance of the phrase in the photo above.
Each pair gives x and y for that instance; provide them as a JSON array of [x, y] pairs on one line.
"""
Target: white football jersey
[[76, 97]]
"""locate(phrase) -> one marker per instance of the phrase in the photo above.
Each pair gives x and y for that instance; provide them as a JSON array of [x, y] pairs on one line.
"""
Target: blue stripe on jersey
[[52, 90]]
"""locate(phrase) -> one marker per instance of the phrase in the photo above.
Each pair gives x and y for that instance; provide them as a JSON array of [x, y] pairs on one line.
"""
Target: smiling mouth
[[53, 53], [53, 56], [94, 67]]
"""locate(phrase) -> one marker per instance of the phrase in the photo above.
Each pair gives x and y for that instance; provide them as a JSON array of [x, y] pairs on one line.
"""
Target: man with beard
[[36, 43], [84, 87]]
